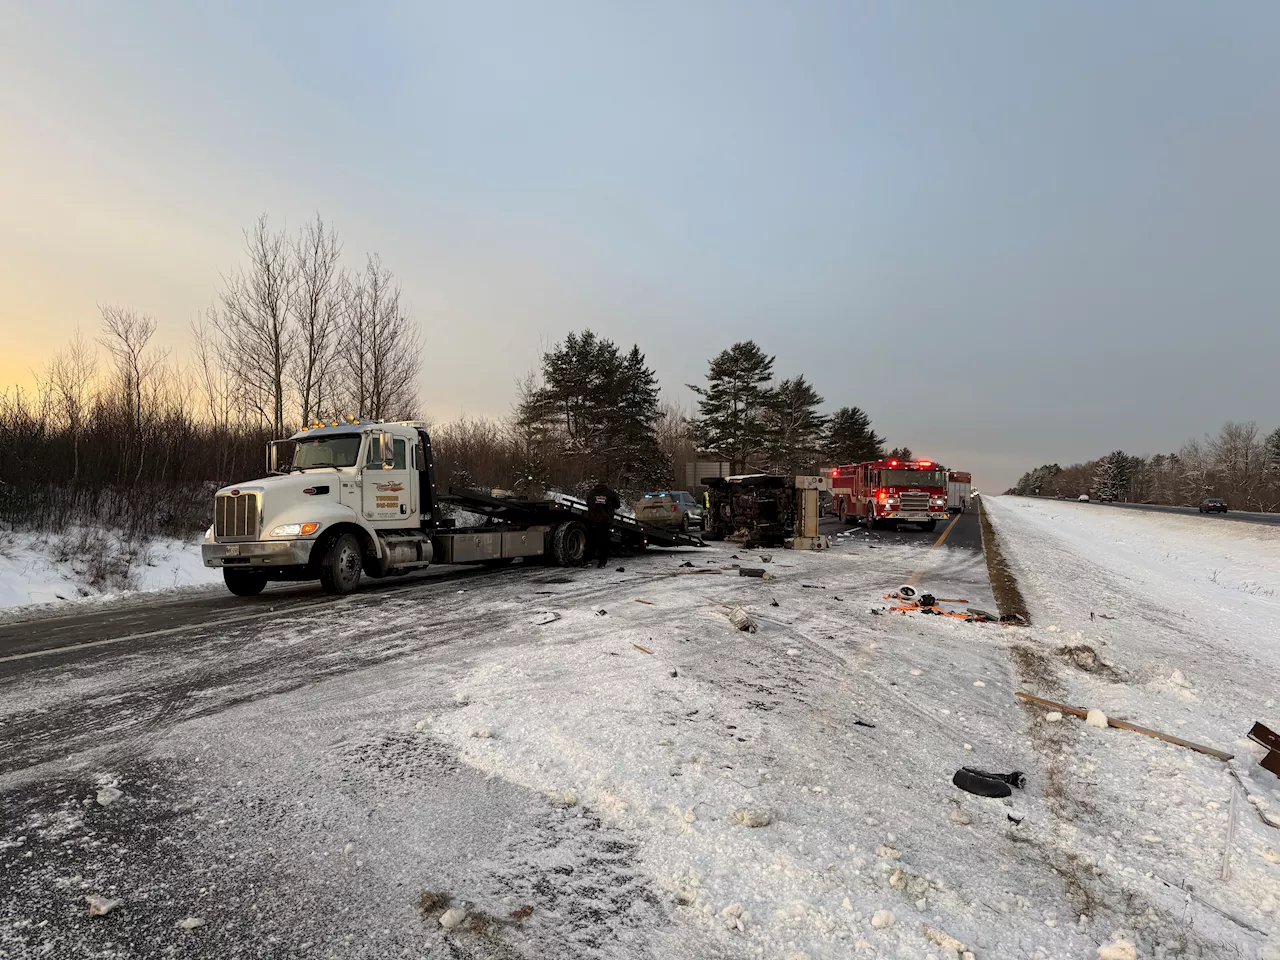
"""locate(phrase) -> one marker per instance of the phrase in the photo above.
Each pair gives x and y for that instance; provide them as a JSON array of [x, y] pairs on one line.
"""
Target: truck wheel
[[340, 568], [569, 544], [929, 525], [244, 583]]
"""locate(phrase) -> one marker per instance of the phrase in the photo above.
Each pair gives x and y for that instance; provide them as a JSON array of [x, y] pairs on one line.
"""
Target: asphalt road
[[1237, 516], [151, 690], [958, 531], [150, 617]]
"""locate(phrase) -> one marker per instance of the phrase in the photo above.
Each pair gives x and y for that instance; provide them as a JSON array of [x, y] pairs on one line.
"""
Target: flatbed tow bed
[[528, 513]]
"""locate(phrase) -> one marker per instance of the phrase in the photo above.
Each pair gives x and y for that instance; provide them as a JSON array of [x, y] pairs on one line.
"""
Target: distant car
[[1083, 498], [1213, 505], [824, 503], [669, 508], [1106, 498]]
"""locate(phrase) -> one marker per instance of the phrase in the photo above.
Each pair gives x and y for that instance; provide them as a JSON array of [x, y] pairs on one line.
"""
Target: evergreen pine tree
[[796, 428], [735, 405], [901, 453], [850, 438], [601, 407]]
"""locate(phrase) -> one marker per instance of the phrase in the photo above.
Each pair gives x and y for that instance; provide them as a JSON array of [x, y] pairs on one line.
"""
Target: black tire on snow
[[341, 565], [981, 784], [569, 544], [929, 525], [244, 583]]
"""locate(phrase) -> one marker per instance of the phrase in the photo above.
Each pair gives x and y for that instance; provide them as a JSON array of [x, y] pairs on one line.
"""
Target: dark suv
[[1213, 505]]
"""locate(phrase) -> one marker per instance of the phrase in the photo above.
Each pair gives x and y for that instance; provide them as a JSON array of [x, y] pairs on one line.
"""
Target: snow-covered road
[[632, 777]]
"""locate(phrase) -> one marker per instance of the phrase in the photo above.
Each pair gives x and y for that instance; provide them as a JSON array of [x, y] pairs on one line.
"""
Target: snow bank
[[79, 563]]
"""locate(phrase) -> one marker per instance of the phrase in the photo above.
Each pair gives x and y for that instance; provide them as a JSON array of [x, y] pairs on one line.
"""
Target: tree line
[[591, 411], [1239, 464], [117, 431]]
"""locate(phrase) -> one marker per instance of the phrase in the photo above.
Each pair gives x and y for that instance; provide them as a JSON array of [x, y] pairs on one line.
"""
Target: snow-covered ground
[[1173, 623], [597, 764], [41, 568]]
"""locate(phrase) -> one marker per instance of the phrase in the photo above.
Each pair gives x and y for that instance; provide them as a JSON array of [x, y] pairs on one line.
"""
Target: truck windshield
[[335, 451], [913, 478]]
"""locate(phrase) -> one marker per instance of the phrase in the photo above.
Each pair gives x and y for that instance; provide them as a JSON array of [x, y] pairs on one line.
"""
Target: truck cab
[[338, 500]]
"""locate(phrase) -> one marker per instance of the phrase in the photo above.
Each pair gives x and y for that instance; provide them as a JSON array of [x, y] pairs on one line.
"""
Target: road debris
[[1118, 949], [756, 572], [100, 906], [1096, 718], [740, 619], [984, 784], [109, 795], [453, 917], [753, 818], [1266, 737], [191, 923], [943, 939], [1125, 725], [647, 603], [542, 619], [642, 649]]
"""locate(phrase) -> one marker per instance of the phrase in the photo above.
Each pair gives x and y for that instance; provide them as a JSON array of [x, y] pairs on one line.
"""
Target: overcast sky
[[1012, 232]]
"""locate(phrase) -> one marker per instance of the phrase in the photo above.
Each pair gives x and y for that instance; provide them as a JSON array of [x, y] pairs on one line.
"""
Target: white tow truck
[[355, 499]]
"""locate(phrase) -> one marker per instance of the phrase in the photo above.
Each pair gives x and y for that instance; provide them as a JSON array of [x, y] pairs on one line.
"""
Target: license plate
[[233, 549]]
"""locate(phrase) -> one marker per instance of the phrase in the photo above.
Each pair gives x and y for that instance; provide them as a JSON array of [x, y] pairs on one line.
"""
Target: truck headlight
[[208, 534], [293, 530]]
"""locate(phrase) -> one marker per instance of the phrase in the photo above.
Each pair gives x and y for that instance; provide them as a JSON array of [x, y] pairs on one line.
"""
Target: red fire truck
[[884, 493]]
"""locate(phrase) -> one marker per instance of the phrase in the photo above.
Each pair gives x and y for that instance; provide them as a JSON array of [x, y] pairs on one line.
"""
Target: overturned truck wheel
[[569, 544]]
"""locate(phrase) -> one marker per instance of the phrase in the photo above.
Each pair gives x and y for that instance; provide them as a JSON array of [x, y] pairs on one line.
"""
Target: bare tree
[[213, 379], [126, 335], [69, 381], [381, 347], [1239, 460], [316, 311], [257, 339]]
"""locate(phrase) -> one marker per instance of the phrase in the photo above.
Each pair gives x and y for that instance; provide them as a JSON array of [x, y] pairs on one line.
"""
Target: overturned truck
[[763, 510]]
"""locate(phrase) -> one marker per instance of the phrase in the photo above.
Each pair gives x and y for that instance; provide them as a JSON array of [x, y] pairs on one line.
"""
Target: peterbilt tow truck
[[359, 499], [883, 493]]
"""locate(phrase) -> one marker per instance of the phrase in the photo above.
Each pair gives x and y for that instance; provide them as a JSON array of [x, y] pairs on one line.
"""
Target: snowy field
[[596, 764], [1173, 623], [80, 564]]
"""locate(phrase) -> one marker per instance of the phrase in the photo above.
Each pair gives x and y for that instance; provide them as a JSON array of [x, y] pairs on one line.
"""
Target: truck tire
[[244, 583], [569, 544], [340, 567], [929, 525]]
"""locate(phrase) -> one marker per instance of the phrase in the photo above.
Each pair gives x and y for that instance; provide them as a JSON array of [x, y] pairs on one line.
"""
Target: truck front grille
[[235, 517], [915, 503]]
